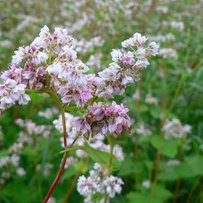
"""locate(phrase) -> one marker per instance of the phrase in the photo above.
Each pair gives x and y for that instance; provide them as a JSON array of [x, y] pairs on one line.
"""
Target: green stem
[[192, 190], [110, 140], [176, 93]]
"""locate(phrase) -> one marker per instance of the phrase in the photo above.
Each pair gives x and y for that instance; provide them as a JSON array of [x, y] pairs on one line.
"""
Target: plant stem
[[110, 140], [61, 169], [70, 190], [158, 158], [192, 190], [199, 195], [56, 180], [176, 93], [64, 128], [176, 191], [106, 198]]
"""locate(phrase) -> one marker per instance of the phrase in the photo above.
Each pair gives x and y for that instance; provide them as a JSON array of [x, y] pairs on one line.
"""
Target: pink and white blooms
[[126, 63], [96, 142], [51, 63], [99, 181], [105, 118], [12, 93]]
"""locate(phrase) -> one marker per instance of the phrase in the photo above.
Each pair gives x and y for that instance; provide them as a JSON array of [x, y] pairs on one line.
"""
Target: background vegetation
[[155, 169]]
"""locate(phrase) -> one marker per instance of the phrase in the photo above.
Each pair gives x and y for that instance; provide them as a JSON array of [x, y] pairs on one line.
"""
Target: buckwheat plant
[[50, 65]]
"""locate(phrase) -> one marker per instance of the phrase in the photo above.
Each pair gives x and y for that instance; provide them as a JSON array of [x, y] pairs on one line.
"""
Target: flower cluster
[[48, 113], [142, 130], [32, 128], [126, 63], [96, 142], [168, 53], [105, 118], [174, 129], [98, 181], [50, 63], [12, 93]]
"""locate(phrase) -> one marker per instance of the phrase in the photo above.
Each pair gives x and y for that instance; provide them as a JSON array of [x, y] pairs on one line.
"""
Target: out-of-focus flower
[[174, 129]]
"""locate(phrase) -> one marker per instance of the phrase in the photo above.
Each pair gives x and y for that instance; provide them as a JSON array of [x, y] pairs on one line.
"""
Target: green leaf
[[98, 156], [36, 97], [131, 167], [161, 195], [191, 167], [168, 147], [168, 174], [68, 173], [102, 158], [74, 148]]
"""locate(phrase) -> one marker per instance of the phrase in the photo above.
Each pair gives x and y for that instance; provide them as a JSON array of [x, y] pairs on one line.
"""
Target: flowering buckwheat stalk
[[50, 65]]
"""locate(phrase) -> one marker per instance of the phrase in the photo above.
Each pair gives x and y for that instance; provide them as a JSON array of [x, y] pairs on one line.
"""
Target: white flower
[[142, 130], [20, 171], [141, 63], [138, 39], [23, 99], [44, 32], [149, 99], [70, 53], [19, 55], [116, 55], [153, 48], [99, 182], [168, 52], [86, 186], [55, 68], [146, 184], [112, 185], [41, 57], [173, 162], [174, 129], [10, 83], [51, 200]]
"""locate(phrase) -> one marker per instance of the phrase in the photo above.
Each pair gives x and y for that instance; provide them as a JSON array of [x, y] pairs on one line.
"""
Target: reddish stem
[[61, 169], [56, 180]]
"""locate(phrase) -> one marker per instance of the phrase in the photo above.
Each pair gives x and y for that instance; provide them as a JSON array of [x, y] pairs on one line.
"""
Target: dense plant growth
[[94, 111]]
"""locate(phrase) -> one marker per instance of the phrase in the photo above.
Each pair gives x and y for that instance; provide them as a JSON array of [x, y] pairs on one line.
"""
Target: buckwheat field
[[101, 101]]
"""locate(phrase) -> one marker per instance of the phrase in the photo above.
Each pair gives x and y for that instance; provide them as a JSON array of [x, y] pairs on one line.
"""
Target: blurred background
[[163, 154]]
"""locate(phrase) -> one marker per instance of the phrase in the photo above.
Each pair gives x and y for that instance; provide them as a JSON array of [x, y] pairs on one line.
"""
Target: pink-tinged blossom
[[51, 61], [20, 54], [136, 40], [12, 93], [133, 57], [128, 58], [153, 49], [105, 118]]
